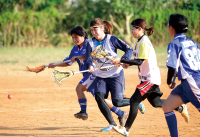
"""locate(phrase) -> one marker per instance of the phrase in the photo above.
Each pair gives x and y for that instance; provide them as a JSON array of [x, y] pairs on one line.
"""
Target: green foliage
[[40, 23]]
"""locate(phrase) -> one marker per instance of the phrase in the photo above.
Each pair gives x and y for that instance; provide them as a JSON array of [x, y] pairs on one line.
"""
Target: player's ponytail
[[142, 23], [97, 22], [179, 23], [150, 31], [108, 28]]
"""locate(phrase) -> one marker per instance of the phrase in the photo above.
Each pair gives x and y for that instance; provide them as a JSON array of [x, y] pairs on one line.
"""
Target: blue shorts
[[115, 85], [189, 90], [88, 80]]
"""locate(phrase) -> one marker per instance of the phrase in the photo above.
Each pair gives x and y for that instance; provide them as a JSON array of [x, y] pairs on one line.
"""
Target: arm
[[119, 44], [64, 64], [75, 58], [170, 74], [88, 58], [131, 62]]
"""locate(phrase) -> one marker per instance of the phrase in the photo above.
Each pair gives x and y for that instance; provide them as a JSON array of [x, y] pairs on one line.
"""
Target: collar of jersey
[[179, 35], [102, 39]]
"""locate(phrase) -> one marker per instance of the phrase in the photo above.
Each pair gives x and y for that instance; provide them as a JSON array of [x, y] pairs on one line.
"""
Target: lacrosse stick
[[58, 76], [41, 68], [99, 53]]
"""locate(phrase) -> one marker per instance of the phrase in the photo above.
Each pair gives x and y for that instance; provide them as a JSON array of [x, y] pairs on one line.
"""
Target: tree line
[[41, 23]]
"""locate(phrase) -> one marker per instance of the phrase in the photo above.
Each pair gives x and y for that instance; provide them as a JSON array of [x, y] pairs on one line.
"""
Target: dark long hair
[[142, 23], [179, 23]]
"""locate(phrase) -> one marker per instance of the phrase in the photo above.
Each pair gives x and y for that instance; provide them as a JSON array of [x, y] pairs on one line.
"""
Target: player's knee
[[165, 108], [80, 88], [116, 103]]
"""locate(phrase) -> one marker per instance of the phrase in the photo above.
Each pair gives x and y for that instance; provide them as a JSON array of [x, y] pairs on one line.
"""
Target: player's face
[[135, 32], [98, 32], [78, 40], [171, 31]]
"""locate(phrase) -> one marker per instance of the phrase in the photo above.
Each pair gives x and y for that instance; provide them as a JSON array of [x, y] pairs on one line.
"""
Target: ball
[[9, 96]]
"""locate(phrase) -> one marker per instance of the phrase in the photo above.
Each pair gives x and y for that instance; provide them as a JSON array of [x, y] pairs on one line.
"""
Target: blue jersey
[[76, 51], [183, 55]]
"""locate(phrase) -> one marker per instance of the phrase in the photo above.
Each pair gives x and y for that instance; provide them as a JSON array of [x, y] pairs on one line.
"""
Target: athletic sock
[[172, 123], [117, 111], [83, 104]]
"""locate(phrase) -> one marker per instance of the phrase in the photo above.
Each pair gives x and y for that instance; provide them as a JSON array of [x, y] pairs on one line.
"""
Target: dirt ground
[[41, 108]]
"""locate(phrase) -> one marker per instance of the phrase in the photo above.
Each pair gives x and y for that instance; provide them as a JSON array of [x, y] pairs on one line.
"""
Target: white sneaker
[[121, 130], [185, 113]]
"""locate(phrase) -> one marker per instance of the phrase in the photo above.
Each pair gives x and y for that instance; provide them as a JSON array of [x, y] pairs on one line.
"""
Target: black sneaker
[[81, 115], [123, 118]]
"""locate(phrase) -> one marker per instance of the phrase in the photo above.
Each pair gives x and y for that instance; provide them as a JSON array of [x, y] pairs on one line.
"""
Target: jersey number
[[193, 59]]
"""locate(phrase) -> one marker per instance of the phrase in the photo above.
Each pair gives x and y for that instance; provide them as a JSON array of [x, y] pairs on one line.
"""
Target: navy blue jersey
[[76, 51], [183, 55]]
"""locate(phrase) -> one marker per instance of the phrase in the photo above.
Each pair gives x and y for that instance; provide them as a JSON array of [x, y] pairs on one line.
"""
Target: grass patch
[[20, 57]]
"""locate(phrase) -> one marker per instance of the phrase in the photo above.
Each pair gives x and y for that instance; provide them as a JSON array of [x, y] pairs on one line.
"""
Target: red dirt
[[41, 108]]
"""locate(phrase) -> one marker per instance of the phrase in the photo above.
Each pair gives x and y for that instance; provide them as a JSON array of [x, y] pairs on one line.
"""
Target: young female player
[[148, 72], [79, 37], [183, 57], [108, 79]]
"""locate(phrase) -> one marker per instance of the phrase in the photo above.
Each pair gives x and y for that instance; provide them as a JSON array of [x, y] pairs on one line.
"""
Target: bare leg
[[80, 91], [172, 102]]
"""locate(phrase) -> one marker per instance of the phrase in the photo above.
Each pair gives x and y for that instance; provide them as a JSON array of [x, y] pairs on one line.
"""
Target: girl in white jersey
[[148, 72], [183, 58], [107, 80]]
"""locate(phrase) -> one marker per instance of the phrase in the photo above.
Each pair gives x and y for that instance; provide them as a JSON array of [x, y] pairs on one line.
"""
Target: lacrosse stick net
[[58, 76], [99, 53]]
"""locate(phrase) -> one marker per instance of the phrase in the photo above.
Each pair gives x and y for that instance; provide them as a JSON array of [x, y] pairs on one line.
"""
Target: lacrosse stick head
[[57, 76], [98, 52], [37, 69]]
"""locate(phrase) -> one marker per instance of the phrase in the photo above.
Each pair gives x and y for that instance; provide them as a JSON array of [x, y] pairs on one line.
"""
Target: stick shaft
[[59, 63], [95, 69]]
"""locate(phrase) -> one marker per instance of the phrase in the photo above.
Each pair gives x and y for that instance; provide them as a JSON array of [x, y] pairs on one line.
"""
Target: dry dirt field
[[41, 108]]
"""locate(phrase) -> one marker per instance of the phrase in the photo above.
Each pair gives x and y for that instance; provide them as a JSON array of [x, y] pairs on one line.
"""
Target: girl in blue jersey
[[79, 37], [182, 58], [110, 79]]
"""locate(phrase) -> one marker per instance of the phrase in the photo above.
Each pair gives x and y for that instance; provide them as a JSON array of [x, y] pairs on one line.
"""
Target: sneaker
[[81, 115], [141, 108], [185, 113], [109, 128], [123, 118], [121, 130]]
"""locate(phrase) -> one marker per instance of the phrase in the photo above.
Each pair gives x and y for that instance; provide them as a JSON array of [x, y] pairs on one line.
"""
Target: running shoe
[[185, 113], [109, 128], [121, 130], [81, 115], [141, 108], [123, 118]]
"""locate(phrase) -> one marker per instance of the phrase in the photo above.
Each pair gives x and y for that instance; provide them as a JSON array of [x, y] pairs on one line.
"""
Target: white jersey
[[108, 72], [148, 70]]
